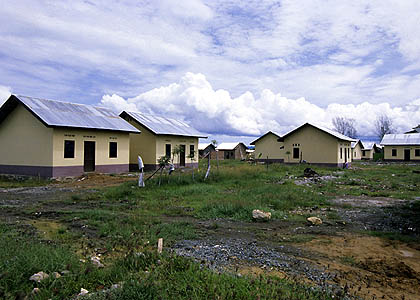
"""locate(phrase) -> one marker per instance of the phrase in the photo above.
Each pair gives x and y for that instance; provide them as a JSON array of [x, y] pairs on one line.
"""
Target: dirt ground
[[339, 254]]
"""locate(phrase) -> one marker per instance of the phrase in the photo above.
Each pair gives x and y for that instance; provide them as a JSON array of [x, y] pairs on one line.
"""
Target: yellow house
[[356, 150], [268, 148], [160, 136], [47, 138], [316, 145], [369, 149], [401, 147]]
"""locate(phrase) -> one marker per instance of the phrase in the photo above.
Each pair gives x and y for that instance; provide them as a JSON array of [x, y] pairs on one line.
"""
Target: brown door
[[89, 157], [182, 156], [406, 154]]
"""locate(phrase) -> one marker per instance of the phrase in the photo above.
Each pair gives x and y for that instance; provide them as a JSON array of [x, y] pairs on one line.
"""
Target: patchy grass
[[8, 181]]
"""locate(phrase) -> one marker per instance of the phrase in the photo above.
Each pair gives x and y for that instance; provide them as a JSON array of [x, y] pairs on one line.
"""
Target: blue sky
[[226, 67]]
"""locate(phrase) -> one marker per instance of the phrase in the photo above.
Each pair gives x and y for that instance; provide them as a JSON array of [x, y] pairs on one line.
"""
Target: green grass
[[21, 181]]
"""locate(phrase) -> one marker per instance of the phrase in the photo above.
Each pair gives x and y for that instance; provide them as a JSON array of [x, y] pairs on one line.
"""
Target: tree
[[214, 143], [345, 126], [383, 125]]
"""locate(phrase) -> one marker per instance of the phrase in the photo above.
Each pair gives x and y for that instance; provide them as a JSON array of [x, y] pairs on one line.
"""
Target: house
[[415, 130], [369, 149], [268, 148], [49, 138], [205, 148], [316, 145], [230, 151], [401, 147], [161, 136], [356, 150]]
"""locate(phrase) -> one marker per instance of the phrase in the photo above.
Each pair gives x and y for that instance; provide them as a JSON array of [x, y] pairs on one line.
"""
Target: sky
[[232, 69]]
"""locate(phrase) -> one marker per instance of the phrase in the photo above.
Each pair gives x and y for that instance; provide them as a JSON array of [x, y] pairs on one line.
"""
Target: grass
[[125, 220], [8, 181]]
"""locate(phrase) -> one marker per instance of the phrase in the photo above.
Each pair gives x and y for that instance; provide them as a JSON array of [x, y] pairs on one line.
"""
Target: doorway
[[182, 156], [89, 157], [407, 154]]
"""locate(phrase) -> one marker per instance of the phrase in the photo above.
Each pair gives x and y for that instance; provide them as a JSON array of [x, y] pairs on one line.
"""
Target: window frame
[[111, 152], [73, 151], [166, 150], [416, 152], [394, 152]]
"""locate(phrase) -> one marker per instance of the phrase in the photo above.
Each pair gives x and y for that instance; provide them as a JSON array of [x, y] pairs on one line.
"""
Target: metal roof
[[228, 146], [202, 146], [354, 144], [267, 133], [401, 139], [163, 125], [65, 114], [329, 131]]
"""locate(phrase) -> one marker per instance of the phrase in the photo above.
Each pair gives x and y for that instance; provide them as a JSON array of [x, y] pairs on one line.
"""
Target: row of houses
[[49, 138]]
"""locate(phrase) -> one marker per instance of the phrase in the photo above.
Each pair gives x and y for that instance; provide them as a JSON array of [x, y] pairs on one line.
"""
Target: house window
[[348, 153], [394, 152], [68, 149], [295, 153], [113, 149], [417, 152], [192, 151], [341, 153], [355, 154], [168, 150]]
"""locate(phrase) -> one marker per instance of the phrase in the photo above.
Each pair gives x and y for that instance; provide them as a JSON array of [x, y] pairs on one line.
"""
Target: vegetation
[[124, 222]]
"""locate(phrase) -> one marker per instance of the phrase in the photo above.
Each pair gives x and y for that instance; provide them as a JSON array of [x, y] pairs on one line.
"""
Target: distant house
[[205, 148], [47, 138], [401, 147], [414, 130], [317, 145], [356, 150], [369, 149], [230, 151], [268, 148], [160, 135]]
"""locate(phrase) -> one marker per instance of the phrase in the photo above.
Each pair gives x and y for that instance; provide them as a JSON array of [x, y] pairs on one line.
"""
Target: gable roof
[[229, 146], [354, 144], [337, 135], [202, 146], [65, 114], [414, 130], [267, 133], [162, 125], [401, 139]]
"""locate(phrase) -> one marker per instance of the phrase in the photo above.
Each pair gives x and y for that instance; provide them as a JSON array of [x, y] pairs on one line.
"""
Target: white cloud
[[194, 100], [5, 93]]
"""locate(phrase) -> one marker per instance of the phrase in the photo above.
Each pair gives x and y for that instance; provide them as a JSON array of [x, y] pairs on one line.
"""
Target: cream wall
[[269, 146], [316, 146], [25, 141], [175, 140], [357, 152], [343, 145], [400, 152], [368, 154], [143, 144], [101, 139]]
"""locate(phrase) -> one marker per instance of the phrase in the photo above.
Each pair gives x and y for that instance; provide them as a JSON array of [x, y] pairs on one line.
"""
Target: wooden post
[[160, 245]]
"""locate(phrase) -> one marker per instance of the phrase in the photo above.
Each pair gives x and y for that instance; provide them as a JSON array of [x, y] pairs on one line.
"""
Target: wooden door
[[406, 154], [182, 156], [89, 156]]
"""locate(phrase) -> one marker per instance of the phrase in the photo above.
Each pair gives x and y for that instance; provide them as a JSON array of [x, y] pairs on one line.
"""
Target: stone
[[259, 215], [83, 292], [314, 220], [38, 277], [96, 261], [56, 275]]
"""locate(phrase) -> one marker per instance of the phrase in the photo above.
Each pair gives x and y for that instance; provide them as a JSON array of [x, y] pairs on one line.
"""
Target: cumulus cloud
[[194, 100], [5, 93]]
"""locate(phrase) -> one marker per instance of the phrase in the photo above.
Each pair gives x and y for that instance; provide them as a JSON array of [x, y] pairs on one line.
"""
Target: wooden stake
[[160, 245]]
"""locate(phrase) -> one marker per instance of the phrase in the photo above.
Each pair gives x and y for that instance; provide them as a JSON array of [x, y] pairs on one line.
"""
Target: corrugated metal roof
[[353, 144], [227, 146], [401, 139], [163, 125], [66, 114], [329, 131], [368, 145], [202, 146]]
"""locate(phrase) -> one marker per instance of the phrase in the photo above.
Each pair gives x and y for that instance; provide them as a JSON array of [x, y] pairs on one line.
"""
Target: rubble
[[259, 215]]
